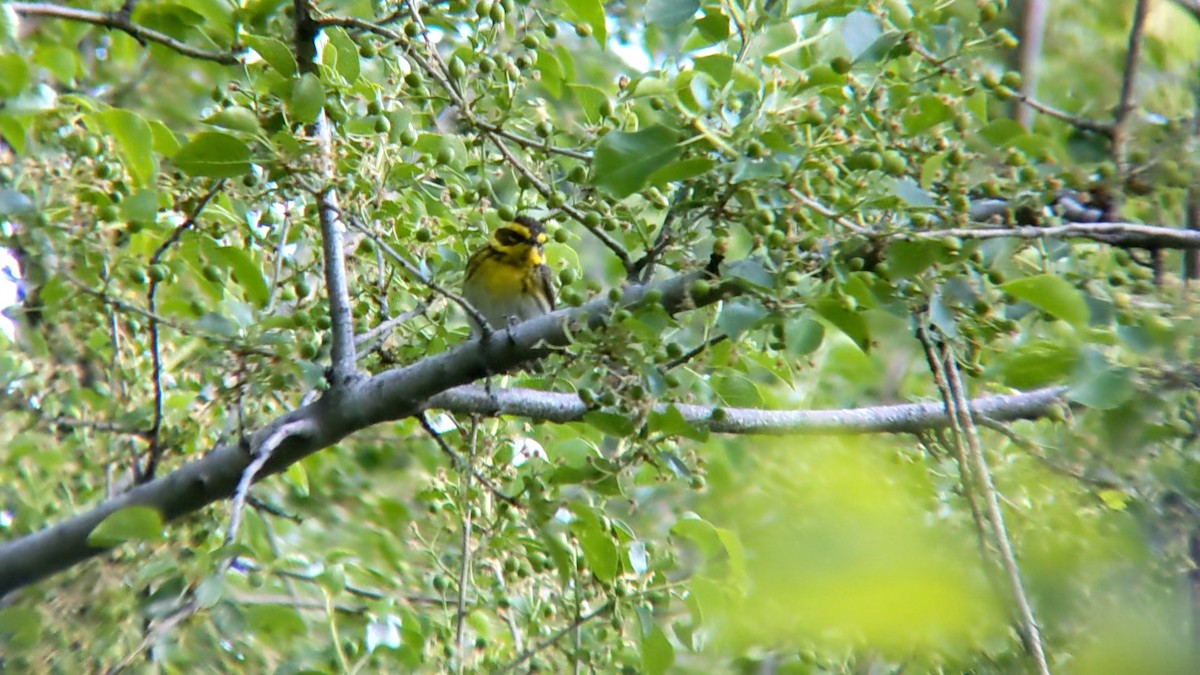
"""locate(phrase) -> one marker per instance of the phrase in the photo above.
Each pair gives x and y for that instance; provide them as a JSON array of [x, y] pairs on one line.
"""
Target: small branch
[[1125, 103], [1048, 110], [1029, 54], [546, 191], [461, 463], [1125, 235], [262, 454], [120, 21], [956, 403], [416, 274], [368, 340], [464, 564], [956, 447], [549, 642], [905, 418], [825, 211], [155, 451], [695, 351], [643, 268], [343, 365]]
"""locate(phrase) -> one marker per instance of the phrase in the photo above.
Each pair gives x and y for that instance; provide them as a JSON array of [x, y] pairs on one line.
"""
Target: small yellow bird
[[507, 279]]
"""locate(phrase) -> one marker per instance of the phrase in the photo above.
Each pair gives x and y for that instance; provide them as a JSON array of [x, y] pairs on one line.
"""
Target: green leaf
[[670, 13], [132, 523], [1053, 295], [235, 118], [930, 110], [597, 543], [860, 30], [13, 131], [625, 161], [740, 314], [713, 26], [849, 322], [1098, 384], [14, 74], [803, 336], [246, 271], [1001, 131], [135, 142], [165, 141], [214, 154], [718, 66], [681, 170], [142, 207], [274, 52], [345, 53], [590, 12], [61, 62], [308, 96], [657, 653], [910, 258], [20, 627], [274, 620], [700, 532], [672, 423], [1034, 364], [610, 423]]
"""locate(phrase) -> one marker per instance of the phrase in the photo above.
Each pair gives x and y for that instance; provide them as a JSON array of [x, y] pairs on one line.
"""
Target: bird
[[507, 280]]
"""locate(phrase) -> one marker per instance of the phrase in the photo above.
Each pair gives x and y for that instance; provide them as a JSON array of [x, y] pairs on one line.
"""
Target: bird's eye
[[508, 237]]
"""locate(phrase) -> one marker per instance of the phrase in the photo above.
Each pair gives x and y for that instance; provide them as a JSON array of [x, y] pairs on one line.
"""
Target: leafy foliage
[[826, 160]]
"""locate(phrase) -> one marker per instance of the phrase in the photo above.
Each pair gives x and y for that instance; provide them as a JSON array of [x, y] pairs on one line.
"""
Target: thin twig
[[416, 274], [1048, 110], [547, 191], [459, 462], [116, 21], [956, 447], [695, 351], [464, 564], [155, 451], [643, 267], [549, 642], [262, 454], [1125, 103], [959, 407]]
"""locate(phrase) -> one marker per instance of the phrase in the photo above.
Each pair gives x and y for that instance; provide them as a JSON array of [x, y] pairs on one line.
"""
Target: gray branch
[[903, 418], [1128, 235], [121, 22]]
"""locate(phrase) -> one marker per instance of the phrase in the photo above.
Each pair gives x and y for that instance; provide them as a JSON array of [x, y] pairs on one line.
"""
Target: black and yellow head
[[520, 241]]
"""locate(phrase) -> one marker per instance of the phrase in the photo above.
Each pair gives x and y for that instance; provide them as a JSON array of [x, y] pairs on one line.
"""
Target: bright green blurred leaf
[[214, 154], [277, 54], [132, 523], [134, 140], [308, 97], [1054, 295]]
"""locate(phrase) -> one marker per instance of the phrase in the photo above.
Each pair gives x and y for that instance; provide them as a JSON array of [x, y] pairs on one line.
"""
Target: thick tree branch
[[392, 395], [120, 21], [906, 418]]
